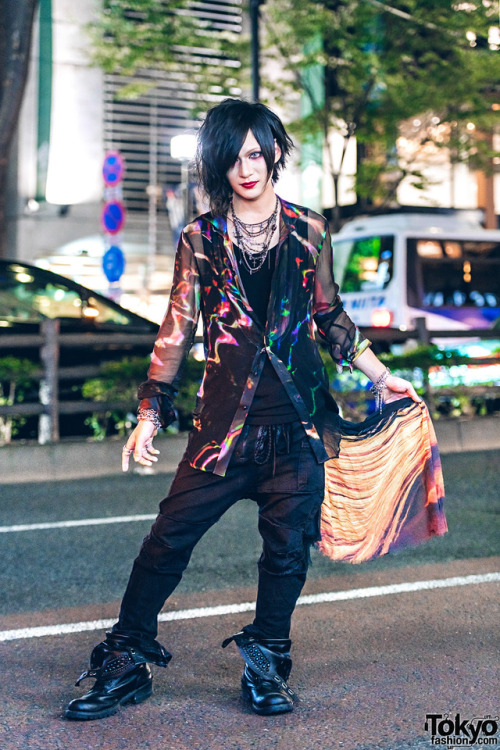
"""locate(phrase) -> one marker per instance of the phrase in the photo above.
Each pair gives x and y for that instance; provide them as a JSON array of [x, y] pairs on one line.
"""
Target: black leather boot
[[267, 668], [122, 676]]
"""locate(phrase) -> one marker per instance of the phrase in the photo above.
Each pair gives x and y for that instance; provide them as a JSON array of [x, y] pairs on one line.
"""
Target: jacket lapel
[[227, 261], [229, 265]]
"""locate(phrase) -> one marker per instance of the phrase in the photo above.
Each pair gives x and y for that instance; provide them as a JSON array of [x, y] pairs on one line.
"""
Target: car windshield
[[364, 264], [28, 295]]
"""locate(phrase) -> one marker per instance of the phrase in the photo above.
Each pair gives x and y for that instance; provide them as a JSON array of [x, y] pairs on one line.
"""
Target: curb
[[84, 459], [81, 459]]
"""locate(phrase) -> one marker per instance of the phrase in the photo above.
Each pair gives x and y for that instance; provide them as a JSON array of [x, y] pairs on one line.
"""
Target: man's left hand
[[397, 388]]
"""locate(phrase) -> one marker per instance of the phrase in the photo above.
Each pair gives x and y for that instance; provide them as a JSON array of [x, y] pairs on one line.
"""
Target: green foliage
[[16, 377], [18, 371], [384, 65], [143, 34], [361, 68], [118, 382], [161, 35], [424, 357], [351, 389]]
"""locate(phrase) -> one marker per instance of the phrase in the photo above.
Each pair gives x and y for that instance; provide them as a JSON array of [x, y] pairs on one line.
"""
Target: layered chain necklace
[[254, 240]]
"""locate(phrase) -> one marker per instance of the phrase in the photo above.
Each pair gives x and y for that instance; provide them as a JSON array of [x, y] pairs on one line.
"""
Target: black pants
[[275, 467]]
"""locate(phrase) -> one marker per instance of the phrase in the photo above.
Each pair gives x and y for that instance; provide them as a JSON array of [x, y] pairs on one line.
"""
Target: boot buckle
[[87, 673]]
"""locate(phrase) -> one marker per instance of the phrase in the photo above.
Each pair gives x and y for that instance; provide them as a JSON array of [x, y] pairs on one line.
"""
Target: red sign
[[113, 216], [113, 168]]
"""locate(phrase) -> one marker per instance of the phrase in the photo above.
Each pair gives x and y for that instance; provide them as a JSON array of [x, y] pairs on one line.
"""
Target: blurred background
[[395, 113]]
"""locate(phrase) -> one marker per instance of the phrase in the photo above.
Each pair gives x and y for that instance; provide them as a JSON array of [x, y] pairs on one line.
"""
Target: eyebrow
[[251, 150]]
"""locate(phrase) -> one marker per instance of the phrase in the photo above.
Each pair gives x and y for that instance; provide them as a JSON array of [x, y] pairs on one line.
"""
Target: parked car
[[29, 294]]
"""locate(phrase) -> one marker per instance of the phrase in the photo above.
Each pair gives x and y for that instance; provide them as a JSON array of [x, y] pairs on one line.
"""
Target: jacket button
[[244, 407]]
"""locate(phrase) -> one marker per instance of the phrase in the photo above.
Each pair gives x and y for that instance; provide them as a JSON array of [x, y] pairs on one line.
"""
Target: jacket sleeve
[[344, 340], [175, 336]]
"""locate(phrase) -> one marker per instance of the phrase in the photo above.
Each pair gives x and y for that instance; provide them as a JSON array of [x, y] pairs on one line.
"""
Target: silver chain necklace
[[254, 240]]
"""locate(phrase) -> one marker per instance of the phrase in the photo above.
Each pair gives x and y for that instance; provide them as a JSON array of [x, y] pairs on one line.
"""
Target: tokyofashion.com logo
[[455, 731]]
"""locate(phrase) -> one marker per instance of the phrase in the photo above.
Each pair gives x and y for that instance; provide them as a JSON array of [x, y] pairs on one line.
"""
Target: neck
[[259, 209]]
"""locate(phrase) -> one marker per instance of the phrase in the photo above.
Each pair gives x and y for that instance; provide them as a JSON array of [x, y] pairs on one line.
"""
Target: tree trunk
[[16, 26]]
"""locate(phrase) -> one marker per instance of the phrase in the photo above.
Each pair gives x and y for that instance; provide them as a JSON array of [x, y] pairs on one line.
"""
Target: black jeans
[[274, 466]]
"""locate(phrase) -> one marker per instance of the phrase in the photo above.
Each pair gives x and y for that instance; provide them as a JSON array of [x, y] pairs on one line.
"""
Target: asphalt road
[[369, 667]]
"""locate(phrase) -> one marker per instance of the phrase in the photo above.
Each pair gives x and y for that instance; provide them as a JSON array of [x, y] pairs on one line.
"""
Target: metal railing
[[50, 341]]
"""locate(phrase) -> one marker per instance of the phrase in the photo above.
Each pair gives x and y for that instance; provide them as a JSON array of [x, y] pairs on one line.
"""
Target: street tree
[[16, 24], [368, 68], [134, 37]]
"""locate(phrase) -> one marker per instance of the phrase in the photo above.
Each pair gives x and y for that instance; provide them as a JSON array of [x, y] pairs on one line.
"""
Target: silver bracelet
[[149, 415], [378, 389]]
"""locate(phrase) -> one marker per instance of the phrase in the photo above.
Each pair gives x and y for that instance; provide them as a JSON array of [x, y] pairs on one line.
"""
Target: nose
[[245, 168]]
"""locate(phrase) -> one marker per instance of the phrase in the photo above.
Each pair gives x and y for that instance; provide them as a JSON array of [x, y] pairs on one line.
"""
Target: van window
[[364, 264], [452, 273]]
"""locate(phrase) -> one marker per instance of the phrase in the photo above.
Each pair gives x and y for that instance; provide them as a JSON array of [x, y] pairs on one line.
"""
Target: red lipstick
[[249, 185]]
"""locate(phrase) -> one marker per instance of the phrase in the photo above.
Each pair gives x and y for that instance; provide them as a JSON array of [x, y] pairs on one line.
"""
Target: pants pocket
[[310, 475]]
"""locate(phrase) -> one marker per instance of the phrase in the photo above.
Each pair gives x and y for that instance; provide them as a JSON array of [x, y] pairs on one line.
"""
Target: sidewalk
[[77, 459]]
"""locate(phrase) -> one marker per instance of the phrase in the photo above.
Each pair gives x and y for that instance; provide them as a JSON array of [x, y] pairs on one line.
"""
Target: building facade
[[72, 115]]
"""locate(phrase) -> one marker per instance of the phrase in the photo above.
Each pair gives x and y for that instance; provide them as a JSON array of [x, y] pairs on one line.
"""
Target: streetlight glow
[[183, 147]]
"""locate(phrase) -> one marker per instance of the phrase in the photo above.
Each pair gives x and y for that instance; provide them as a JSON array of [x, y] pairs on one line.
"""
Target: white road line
[[230, 609], [72, 524]]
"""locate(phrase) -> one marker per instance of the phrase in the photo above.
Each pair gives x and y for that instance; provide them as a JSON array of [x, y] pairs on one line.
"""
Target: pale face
[[248, 176]]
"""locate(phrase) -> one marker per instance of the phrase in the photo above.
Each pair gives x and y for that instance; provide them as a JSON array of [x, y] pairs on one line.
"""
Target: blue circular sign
[[113, 216], [113, 263], [113, 168]]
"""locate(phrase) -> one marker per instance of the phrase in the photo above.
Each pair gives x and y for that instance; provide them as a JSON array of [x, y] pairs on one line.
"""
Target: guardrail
[[50, 341]]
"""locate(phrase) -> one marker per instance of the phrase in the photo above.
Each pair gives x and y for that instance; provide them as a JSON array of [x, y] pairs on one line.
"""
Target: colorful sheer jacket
[[304, 298]]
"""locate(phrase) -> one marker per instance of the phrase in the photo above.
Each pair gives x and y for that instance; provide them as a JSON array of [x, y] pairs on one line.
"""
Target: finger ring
[[126, 450]]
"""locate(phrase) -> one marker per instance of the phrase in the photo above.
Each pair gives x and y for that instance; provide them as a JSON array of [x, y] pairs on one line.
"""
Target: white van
[[394, 268]]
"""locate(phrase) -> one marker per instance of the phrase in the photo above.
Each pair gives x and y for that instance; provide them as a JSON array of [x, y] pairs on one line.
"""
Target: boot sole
[[136, 696], [280, 708]]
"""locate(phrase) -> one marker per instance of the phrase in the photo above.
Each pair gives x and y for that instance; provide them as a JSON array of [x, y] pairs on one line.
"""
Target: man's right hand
[[140, 445]]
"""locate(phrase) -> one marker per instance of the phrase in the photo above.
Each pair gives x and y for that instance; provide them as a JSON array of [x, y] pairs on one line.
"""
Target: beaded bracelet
[[149, 415], [378, 388]]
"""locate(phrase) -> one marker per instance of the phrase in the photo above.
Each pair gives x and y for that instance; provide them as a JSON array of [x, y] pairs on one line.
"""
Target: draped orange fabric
[[385, 490]]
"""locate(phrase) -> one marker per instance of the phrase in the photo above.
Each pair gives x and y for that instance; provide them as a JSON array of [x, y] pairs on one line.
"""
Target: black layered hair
[[221, 137]]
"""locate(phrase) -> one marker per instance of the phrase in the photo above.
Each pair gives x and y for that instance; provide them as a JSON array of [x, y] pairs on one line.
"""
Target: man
[[259, 271]]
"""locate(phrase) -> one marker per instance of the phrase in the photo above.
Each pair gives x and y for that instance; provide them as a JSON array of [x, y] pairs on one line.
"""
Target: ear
[[277, 152]]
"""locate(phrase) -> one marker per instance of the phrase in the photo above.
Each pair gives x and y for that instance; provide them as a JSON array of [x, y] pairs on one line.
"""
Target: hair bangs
[[221, 137]]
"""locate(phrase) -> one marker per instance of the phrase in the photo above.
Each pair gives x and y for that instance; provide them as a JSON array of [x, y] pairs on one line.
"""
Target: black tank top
[[271, 404]]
